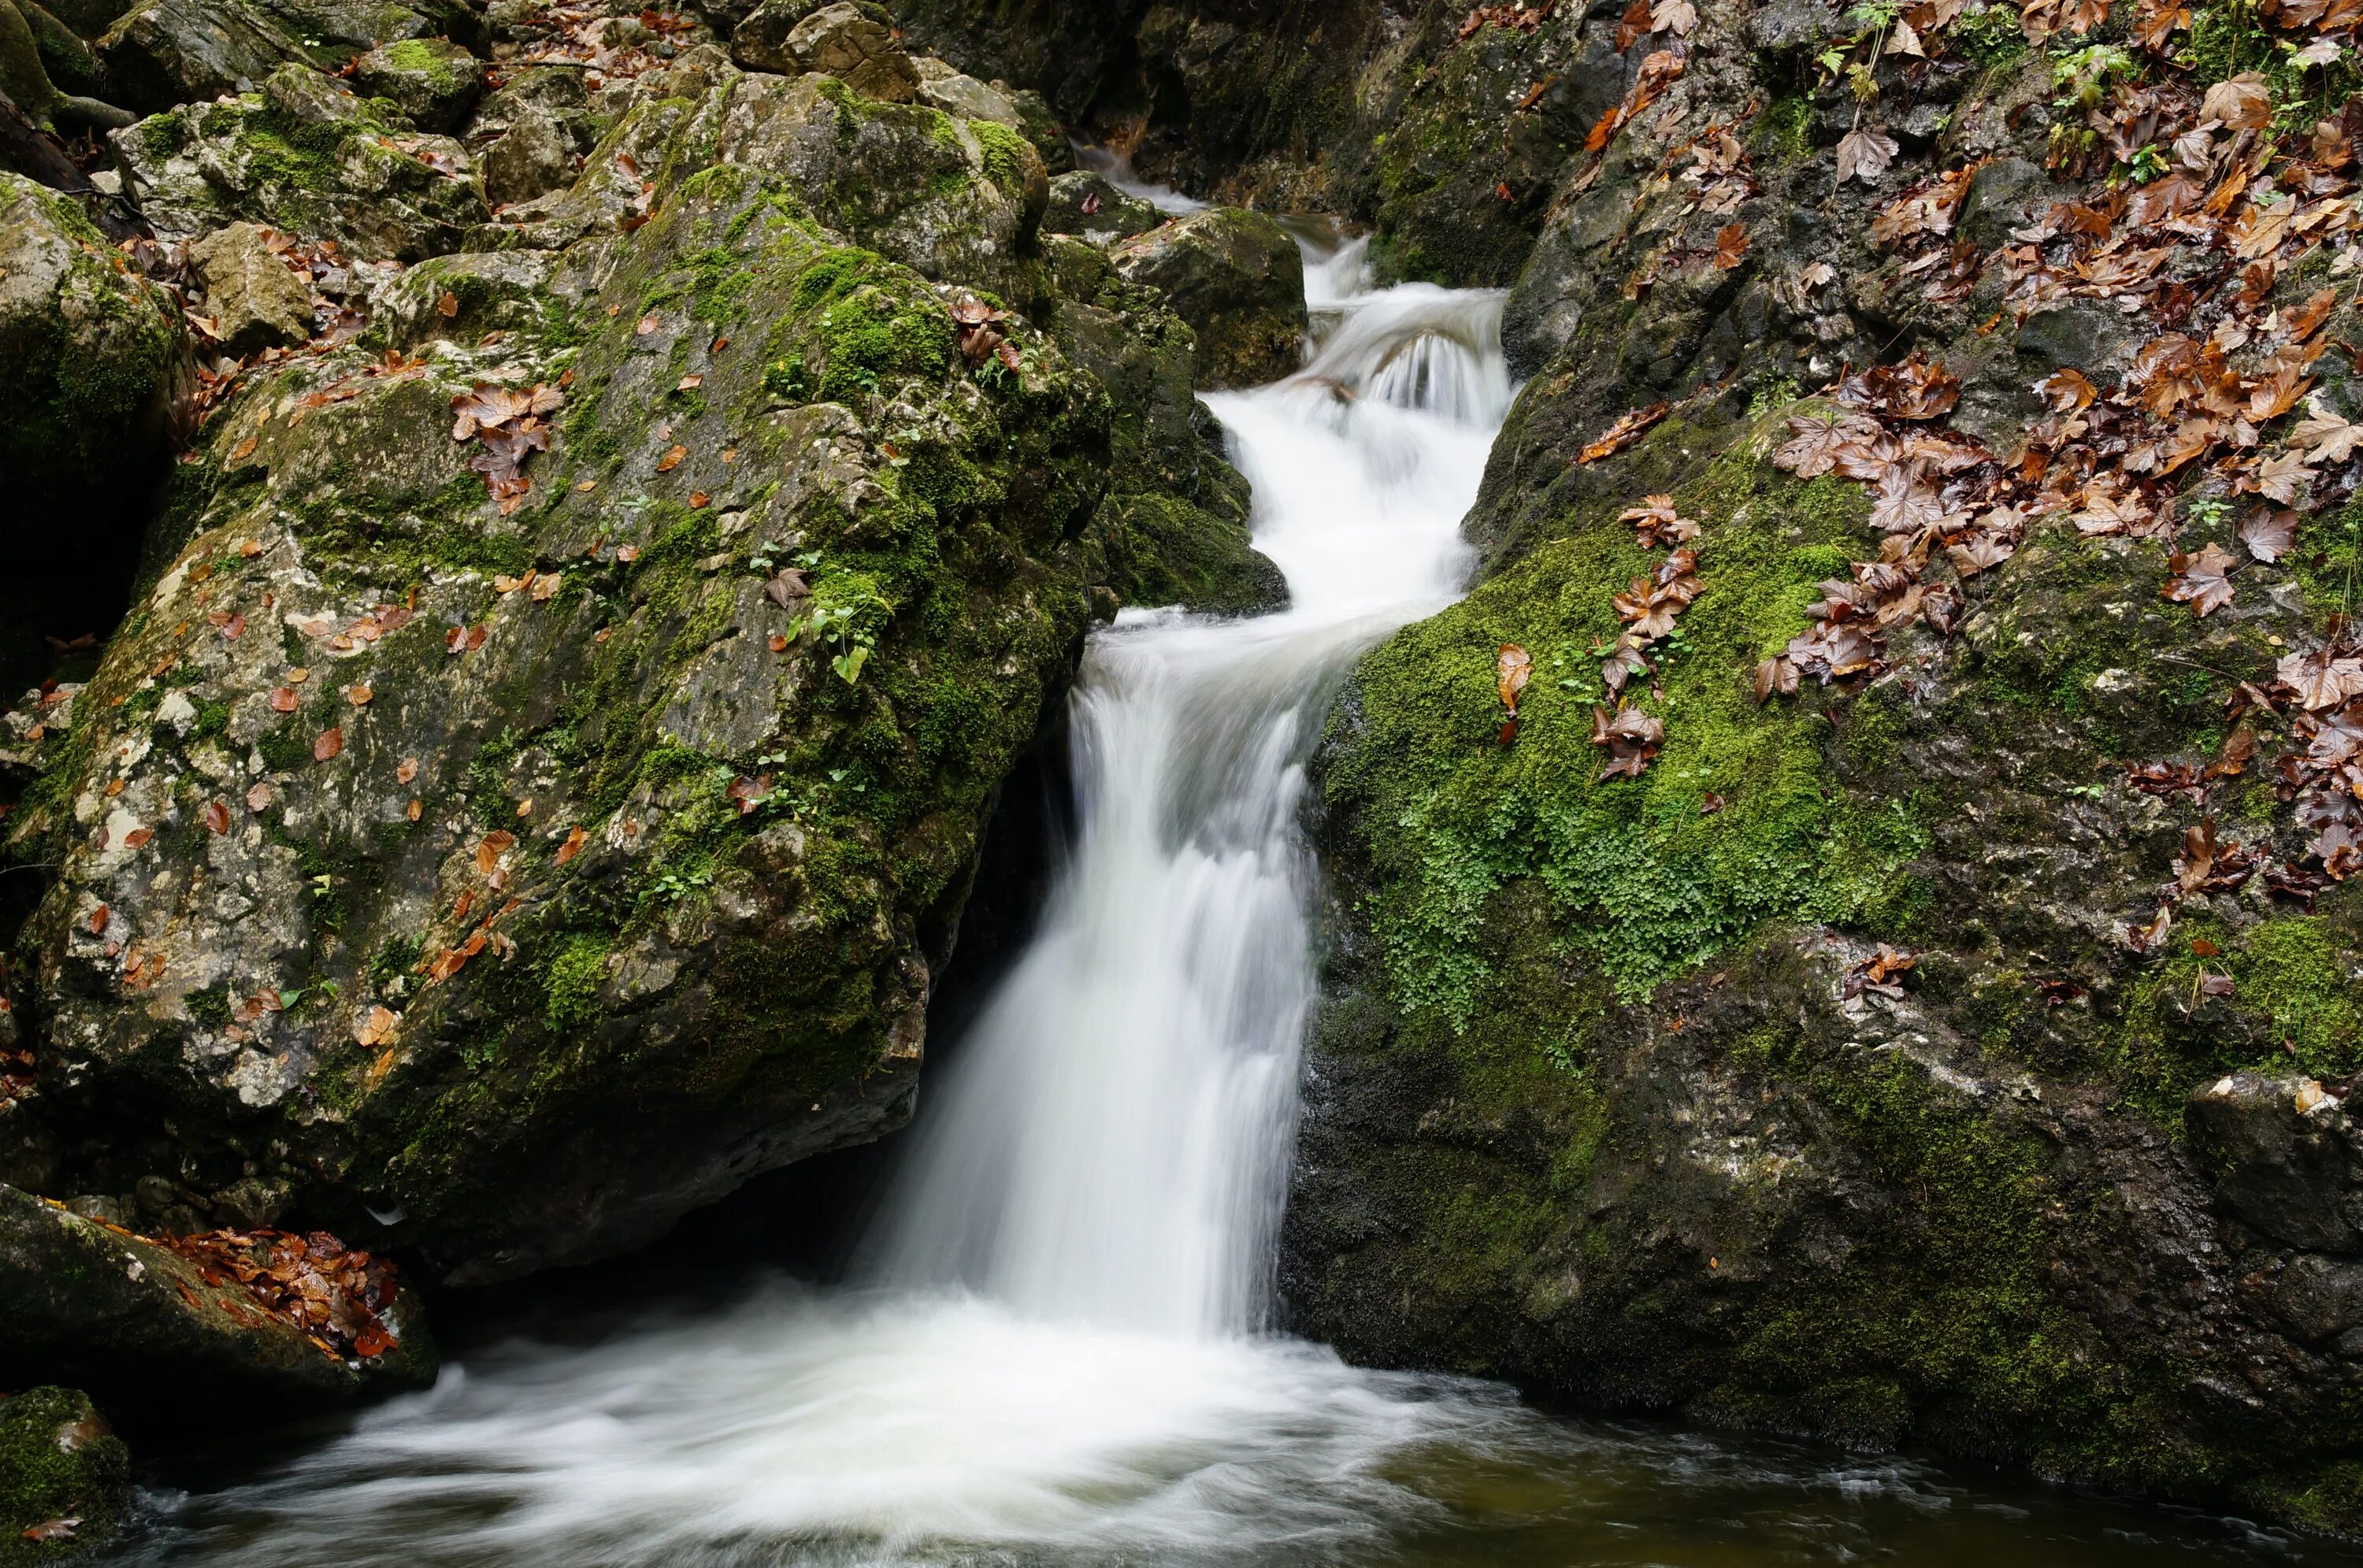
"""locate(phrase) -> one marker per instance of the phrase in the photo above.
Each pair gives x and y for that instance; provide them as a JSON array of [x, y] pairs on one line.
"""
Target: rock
[[255, 298], [95, 358], [2282, 1156], [461, 298], [1087, 205], [963, 97], [163, 53], [1174, 526], [2007, 193], [308, 158], [142, 1326], [841, 40], [1239, 280], [2083, 335], [434, 82], [722, 849], [530, 137], [1042, 128], [59, 1461]]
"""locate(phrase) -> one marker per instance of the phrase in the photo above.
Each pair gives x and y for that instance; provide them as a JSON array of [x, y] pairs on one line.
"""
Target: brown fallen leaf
[[417, 809], [1512, 668], [490, 848], [217, 816], [1864, 155], [2268, 535], [327, 743], [573, 845], [671, 460], [2202, 581], [282, 698], [448, 305], [377, 1026], [1730, 246], [544, 586], [358, 696], [689, 382], [259, 798], [61, 1529], [98, 919], [1628, 428]]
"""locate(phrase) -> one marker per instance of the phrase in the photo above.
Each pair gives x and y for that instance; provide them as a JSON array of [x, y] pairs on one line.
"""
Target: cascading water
[[1055, 1359]]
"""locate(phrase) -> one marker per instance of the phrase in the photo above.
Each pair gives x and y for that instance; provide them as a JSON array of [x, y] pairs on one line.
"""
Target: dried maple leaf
[[1980, 552], [2326, 437], [1630, 737], [2201, 581], [2268, 535], [377, 1026], [1816, 275], [1655, 523], [2067, 391], [1775, 677], [1730, 246], [2320, 678], [1512, 668], [2243, 103], [1864, 155]]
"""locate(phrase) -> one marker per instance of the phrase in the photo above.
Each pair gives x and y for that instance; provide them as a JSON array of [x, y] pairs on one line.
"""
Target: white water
[[1060, 1354]]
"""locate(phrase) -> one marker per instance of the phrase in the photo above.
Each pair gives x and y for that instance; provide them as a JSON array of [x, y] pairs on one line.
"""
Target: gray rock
[[840, 40], [163, 53], [530, 137], [308, 158], [141, 1325], [461, 298], [2277, 1150], [255, 298], [433, 81], [2007, 193], [94, 357], [2319, 1297], [1085, 204], [964, 97], [1239, 280]]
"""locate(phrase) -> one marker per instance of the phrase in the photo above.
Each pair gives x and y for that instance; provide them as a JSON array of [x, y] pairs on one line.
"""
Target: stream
[[1053, 1346]]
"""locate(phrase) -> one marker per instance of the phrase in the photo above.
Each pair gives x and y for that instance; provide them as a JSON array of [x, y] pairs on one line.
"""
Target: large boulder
[[255, 298], [95, 356], [434, 82], [530, 137], [163, 53], [846, 41], [1239, 280], [461, 298], [1088, 205], [501, 850], [65, 1478], [308, 157], [152, 1330]]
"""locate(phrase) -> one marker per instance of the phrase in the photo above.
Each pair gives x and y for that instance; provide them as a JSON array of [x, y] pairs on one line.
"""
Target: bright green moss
[[570, 981], [1736, 824], [1006, 156]]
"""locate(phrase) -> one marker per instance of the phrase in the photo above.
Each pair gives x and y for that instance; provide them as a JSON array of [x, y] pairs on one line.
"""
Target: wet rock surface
[[1237, 278], [65, 1478], [550, 820]]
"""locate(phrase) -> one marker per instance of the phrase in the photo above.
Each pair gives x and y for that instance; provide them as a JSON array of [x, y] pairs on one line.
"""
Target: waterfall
[[1054, 1346]]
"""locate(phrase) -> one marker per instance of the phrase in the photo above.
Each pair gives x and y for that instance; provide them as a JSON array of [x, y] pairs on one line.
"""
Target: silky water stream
[[1054, 1351]]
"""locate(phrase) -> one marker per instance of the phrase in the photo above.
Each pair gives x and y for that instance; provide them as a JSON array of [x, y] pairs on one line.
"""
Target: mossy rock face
[[151, 1332], [647, 808], [163, 53], [307, 157], [59, 1461], [433, 81], [95, 356], [1239, 280], [1602, 1100]]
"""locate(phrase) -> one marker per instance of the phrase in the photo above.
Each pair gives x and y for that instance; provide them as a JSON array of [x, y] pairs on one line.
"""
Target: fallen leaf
[[689, 382], [671, 460], [1730, 246], [377, 1026], [1864, 155], [2202, 581], [358, 696], [1512, 668], [2243, 103], [417, 809], [327, 743], [217, 817], [259, 798], [406, 770], [282, 698], [448, 305], [60, 1529], [490, 848], [2268, 535], [573, 845]]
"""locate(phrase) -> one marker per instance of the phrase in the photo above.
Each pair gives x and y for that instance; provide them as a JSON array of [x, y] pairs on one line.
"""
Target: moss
[[57, 1460], [1008, 156], [570, 981], [1645, 880]]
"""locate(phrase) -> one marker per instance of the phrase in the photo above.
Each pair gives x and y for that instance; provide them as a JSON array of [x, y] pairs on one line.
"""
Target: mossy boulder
[[606, 850], [434, 82], [65, 1478], [1239, 280], [150, 1331], [308, 157], [855, 44], [95, 356], [1087, 205], [163, 53], [461, 298]]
